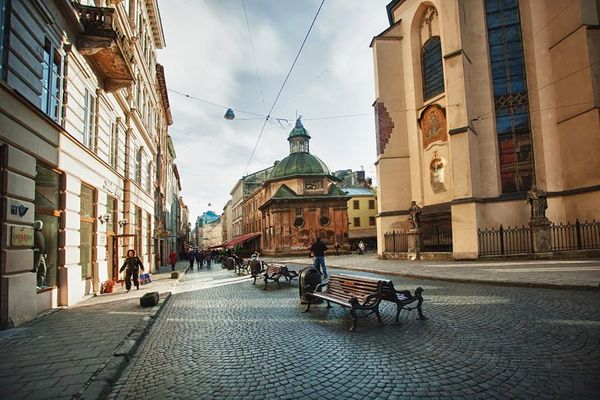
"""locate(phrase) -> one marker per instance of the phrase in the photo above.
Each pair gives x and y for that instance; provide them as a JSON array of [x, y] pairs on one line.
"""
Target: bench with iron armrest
[[241, 265], [257, 268], [361, 295], [402, 298], [274, 272]]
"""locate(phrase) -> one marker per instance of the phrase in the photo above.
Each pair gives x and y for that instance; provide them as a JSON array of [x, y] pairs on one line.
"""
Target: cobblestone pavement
[[232, 340], [582, 273], [57, 355]]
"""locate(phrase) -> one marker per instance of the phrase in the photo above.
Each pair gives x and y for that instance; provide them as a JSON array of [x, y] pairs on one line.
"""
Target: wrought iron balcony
[[106, 49]]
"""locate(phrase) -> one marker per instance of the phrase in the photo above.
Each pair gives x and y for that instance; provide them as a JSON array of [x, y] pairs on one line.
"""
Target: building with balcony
[[477, 101], [83, 130]]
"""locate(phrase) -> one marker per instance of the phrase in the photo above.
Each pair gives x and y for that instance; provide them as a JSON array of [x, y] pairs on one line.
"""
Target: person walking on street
[[172, 260], [361, 247], [318, 250], [132, 266], [337, 249], [191, 258], [199, 260]]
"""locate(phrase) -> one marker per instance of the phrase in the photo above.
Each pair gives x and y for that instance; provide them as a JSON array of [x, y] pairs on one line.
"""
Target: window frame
[[434, 71], [354, 222], [52, 80]]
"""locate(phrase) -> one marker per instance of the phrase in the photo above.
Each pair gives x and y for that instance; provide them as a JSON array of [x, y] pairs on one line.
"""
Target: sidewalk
[[77, 352], [561, 274]]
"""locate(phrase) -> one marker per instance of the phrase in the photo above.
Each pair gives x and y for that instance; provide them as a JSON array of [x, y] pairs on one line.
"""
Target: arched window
[[431, 64]]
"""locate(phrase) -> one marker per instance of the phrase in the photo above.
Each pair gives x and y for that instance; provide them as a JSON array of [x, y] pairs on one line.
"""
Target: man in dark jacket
[[132, 266], [318, 250]]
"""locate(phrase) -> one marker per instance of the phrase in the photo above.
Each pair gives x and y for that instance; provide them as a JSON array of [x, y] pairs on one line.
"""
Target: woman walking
[[132, 266]]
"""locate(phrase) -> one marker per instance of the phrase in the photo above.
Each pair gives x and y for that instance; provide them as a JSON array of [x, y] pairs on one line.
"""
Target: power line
[[189, 96], [283, 84], [262, 95]]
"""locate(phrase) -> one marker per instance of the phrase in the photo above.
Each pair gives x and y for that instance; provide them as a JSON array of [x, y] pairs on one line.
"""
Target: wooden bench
[[257, 267], [274, 272], [362, 295], [402, 298]]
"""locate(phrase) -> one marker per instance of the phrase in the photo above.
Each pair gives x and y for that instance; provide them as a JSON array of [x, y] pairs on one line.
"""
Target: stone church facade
[[299, 202], [476, 102]]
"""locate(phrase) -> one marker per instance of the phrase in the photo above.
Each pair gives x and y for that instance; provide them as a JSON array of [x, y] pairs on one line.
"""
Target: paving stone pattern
[[237, 341]]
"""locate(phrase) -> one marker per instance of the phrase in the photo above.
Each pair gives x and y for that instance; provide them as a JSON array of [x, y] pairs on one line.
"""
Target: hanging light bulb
[[229, 114]]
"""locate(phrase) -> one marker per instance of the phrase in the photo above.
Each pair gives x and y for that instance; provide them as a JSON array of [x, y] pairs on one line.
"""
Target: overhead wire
[[283, 85], [262, 94]]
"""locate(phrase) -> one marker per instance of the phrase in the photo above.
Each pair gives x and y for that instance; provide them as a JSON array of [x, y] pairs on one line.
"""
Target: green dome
[[299, 164], [298, 131]]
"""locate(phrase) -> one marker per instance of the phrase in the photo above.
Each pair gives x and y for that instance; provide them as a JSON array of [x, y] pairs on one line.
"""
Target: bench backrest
[[348, 286]]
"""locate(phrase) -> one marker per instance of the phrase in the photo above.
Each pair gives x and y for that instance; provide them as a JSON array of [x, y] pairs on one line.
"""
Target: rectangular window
[[355, 204], [2, 33], [114, 144], [149, 177], [138, 166], [89, 120], [87, 218], [356, 221], [372, 221], [298, 212], [47, 212], [138, 231], [51, 82], [148, 234], [112, 210], [371, 204]]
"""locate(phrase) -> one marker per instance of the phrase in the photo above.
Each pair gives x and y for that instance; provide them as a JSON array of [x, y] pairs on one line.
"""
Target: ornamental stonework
[[433, 125], [383, 126]]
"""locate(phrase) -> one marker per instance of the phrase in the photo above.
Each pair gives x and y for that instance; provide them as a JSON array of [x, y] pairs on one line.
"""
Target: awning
[[241, 239]]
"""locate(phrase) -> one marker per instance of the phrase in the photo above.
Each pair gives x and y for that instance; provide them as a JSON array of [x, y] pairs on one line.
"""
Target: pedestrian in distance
[[199, 261], [191, 258], [132, 266], [337, 249], [361, 247], [172, 260], [318, 250]]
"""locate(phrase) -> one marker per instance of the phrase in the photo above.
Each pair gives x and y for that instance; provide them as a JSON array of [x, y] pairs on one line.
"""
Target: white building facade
[[82, 119]]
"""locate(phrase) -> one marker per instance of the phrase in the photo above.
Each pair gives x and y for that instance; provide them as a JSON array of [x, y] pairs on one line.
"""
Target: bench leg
[[354, 321], [328, 304], [418, 294], [398, 312], [265, 288], [378, 315], [278, 284], [307, 309]]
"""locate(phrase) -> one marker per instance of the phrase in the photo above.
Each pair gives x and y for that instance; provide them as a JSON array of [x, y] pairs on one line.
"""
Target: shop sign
[[21, 236], [18, 209], [112, 189]]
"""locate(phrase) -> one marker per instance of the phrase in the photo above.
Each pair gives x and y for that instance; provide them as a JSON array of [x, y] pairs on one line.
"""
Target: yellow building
[[477, 101], [362, 212]]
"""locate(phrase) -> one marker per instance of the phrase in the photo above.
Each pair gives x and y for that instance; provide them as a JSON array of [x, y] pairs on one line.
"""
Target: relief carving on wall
[[433, 125], [436, 173]]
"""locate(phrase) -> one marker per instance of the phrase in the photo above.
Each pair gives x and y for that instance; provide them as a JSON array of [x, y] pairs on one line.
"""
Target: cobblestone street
[[221, 337]]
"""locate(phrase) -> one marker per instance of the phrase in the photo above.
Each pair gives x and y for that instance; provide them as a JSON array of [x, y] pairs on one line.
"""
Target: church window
[[433, 71], [511, 102]]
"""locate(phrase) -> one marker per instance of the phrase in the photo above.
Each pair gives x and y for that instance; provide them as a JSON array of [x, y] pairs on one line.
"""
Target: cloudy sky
[[209, 56]]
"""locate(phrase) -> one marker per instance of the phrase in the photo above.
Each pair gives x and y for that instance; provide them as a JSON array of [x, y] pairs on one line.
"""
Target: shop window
[[356, 221], [433, 70], [371, 204], [86, 232], [355, 204], [511, 102], [372, 221], [112, 211], [51, 82], [46, 225]]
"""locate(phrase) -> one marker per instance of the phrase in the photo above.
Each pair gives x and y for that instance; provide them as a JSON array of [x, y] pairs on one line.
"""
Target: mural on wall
[[436, 173], [433, 125]]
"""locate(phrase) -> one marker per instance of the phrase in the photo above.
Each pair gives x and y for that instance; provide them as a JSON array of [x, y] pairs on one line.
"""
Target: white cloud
[[208, 55]]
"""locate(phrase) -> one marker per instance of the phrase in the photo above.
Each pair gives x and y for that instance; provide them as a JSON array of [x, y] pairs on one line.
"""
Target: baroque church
[[299, 202]]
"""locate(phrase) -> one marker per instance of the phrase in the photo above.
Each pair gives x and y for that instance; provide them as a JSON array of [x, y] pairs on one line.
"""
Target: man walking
[[132, 266], [318, 249]]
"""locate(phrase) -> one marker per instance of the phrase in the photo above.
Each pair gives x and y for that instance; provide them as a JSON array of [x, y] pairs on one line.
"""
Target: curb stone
[[101, 382], [560, 286]]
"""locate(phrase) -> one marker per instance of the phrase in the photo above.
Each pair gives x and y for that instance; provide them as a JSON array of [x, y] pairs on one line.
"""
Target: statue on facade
[[537, 199], [414, 215]]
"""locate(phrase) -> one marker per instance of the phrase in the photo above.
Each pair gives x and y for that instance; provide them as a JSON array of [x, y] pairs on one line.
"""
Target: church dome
[[299, 164]]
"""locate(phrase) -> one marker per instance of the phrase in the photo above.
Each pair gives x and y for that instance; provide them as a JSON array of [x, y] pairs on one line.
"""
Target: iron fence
[[501, 241], [577, 236], [437, 238], [396, 242]]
